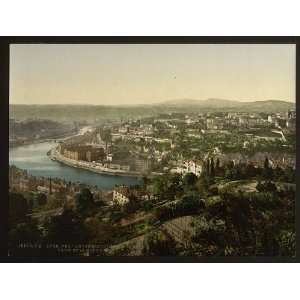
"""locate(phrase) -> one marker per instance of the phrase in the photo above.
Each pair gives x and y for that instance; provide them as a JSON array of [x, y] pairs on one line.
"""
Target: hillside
[[99, 113], [222, 104]]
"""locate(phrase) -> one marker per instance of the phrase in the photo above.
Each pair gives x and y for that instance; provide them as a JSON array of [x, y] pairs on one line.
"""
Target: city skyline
[[134, 74]]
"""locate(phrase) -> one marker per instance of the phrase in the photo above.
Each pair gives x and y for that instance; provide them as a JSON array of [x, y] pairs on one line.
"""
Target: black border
[[4, 111]]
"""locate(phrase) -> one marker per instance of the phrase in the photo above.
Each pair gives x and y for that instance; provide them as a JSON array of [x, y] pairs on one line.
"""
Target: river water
[[34, 159]]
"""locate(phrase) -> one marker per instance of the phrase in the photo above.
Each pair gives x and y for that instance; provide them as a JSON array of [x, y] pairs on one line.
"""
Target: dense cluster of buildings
[[206, 121], [245, 120], [153, 141], [81, 152], [20, 180]]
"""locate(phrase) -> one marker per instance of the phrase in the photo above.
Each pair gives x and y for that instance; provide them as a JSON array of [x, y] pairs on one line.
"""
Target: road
[[47, 213]]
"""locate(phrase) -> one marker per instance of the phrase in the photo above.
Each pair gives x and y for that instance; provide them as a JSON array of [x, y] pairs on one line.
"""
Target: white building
[[270, 119], [121, 195], [190, 166], [124, 129], [43, 189], [109, 157]]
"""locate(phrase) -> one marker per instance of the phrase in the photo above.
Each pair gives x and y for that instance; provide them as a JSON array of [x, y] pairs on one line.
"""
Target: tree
[[250, 170], [267, 171], [158, 244], [190, 179], [287, 243], [132, 206], [18, 207], [66, 228], [260, 186], [146, 182], [24, 233], [190, 203], [230, 165], [266, 163], [209, 238], [167, 187], [270, 187], [290, 175], [207, 167], [84, 200], [218, 164], [39, 199], [278, 173], [203, 184], [212, 167]]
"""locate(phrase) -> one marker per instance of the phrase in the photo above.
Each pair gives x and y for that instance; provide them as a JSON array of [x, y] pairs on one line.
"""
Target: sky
[[129, 74]]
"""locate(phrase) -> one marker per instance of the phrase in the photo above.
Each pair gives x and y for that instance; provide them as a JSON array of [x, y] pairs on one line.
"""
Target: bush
[[267, 186], [18, 207], [84, 200], [189, 204], [157, 244]]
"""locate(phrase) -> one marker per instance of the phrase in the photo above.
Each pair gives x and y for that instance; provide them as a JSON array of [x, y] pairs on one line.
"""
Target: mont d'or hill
[[222, 104], [102, 113]]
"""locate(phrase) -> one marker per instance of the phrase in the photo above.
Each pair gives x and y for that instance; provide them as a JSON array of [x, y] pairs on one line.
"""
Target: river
[[34, 159]]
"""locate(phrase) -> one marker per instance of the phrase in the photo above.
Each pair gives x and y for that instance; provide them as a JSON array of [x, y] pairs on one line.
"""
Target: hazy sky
[[148, 73]]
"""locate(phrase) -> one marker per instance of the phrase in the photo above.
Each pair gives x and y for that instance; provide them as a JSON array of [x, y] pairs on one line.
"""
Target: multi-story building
[[142, 165], [190, 166], [214, 123], [121, 195], [250, 121], [94, 154], [82, 152]]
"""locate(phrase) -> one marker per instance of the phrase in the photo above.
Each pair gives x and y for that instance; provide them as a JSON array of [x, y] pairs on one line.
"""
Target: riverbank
[[36, 162], [94, 167], [14, 144]]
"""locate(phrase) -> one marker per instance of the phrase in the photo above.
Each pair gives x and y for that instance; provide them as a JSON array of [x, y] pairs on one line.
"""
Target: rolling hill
[[102, 113]]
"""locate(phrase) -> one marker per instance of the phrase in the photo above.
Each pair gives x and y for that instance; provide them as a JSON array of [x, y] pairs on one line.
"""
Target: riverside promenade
[[91, 166]]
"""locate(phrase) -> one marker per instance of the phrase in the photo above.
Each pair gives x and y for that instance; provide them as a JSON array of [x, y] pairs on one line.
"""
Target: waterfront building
[[82, 152], [75, 153], [142, 165], [94, 154]]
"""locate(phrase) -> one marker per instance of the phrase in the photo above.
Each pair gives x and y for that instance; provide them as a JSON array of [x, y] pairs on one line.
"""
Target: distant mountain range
[[194, 102], [216, 103], [93, 112]]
